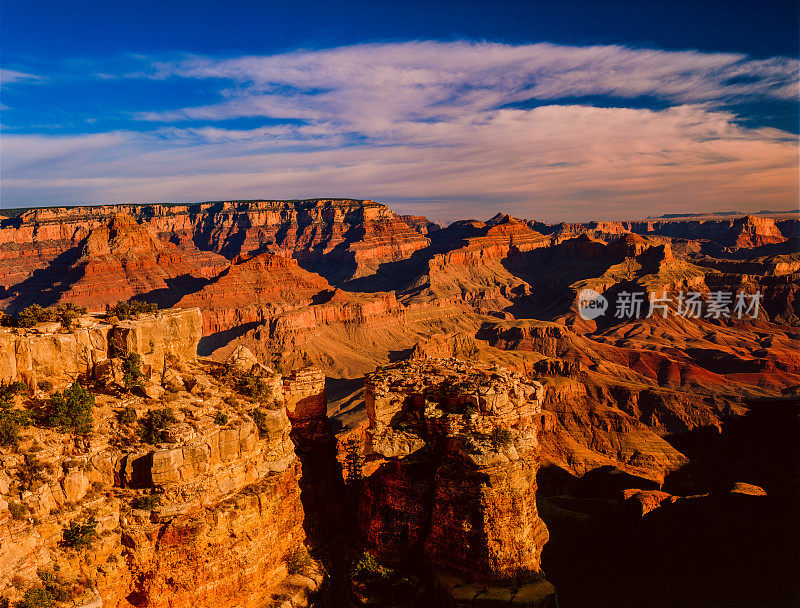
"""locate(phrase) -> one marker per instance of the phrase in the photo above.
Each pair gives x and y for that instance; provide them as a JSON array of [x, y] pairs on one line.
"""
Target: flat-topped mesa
[[457, 455], [747, 231], [51, 354]]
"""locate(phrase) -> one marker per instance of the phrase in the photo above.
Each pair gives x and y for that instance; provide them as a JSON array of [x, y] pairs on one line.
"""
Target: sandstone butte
[[480, 404]]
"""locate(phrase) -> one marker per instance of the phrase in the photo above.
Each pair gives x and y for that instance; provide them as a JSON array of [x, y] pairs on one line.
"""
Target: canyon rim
[[362, 304]]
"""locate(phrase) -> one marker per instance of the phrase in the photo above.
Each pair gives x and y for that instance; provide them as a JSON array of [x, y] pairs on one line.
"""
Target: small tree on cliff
[[67, 312], [33, 314], [353, 461], [154, 423], [71, 411], [79, 536], [131, 309], [11, 420], [132, 366]]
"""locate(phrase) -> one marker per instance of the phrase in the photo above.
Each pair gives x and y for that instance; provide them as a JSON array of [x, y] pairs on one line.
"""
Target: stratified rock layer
[[202, 510], [59, 356], [452, 456]]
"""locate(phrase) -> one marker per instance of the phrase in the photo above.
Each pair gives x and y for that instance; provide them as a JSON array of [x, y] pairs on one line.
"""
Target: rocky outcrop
[[254, 290], [48, 353], [206, 510], [454, 454], [549, 339], [307, 405], [752, 231]]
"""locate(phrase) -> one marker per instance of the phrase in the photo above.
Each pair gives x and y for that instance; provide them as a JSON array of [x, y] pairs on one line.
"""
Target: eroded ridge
[[452, 455]]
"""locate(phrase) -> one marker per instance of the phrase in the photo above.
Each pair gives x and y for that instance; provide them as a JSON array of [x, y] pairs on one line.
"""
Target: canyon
[[365, 406]]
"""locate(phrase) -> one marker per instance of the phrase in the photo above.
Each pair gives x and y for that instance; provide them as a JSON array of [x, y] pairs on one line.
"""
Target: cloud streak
[[421, 124], [9, 76], [434, 80]]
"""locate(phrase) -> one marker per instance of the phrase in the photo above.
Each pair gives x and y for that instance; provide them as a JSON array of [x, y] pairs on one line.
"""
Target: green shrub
[[253, 386], [501, 438], [37, 597], [54, 585], [260, 418], [298, 561], [32, 473], [146, 502], [367, 568], [79, 536], [11, 420], [155, 422], [221, 418], [353, 461], [128, 415], [17, 510], [67, 312], [72, 411], [130, 309], [33, 314], [9, 390], [132, 368], [469, 410]]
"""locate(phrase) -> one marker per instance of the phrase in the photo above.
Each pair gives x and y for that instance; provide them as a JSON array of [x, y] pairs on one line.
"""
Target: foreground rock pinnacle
[[451, 461]]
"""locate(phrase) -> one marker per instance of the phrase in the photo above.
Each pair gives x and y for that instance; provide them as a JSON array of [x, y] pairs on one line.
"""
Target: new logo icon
[[591, 304]]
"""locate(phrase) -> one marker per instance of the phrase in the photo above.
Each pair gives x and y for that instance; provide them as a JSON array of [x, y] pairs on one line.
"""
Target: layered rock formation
[[453, 453], [253, 290], [342, 238], [348, 286], [201, 508], [117, 259], [50, 353]]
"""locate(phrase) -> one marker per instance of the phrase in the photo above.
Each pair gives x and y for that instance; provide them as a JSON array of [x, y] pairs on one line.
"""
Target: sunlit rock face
[[452, 455], [202, 510], [56, 355], [146, 248]]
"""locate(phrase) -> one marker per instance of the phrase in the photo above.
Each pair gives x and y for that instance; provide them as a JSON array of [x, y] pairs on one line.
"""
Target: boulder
[[241, 360], [172, 380], [151, 391]]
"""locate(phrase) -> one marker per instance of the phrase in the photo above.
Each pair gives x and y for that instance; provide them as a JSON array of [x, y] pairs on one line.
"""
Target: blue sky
[[562, 110]]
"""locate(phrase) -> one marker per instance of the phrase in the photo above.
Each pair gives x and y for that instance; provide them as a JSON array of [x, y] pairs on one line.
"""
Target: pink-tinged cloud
[[427, 127], [555, 162]]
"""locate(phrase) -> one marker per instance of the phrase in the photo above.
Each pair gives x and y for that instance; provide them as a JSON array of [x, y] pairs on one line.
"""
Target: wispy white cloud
[[434, 80], [429, 121], [9, 76], [556, 162]]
